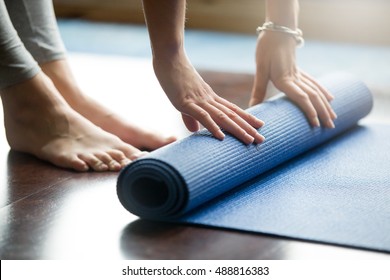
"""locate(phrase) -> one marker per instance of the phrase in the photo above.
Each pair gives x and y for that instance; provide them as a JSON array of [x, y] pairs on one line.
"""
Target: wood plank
[[82, 219]]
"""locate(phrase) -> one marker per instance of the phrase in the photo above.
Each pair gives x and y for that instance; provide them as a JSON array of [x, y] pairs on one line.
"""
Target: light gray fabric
[[16, 63], [36, 24], [28, 36]]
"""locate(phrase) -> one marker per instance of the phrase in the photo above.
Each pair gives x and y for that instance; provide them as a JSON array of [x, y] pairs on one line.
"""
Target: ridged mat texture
[[318, 184]]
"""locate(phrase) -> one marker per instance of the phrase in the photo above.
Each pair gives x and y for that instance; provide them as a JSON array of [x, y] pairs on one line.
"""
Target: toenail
[[114, 165], [85, 167], [138, 155], [101, 166], [125, 161]]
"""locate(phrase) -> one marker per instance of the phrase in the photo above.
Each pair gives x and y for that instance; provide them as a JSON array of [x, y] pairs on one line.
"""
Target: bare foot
[[59, 72], [39, 121]]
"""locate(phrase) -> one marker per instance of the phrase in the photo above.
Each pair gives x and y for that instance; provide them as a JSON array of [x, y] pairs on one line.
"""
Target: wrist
[[168, 51], [168, 54], [280, 31]]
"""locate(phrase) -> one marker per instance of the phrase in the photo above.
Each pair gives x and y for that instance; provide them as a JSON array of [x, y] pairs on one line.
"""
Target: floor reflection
[[144, 239], [88, 222], [156, 240]]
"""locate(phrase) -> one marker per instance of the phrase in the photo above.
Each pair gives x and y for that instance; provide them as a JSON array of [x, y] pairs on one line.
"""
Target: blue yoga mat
[[319, 184]]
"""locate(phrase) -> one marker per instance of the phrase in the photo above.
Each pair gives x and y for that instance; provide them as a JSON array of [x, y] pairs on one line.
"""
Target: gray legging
[[28, 36]]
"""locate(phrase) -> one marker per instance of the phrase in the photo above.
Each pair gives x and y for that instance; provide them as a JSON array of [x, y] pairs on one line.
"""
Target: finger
[[318, 103], [326, 92], [205, 119], [298, 96], [332, 113], [259, 86], [258, 138], [252, 120], [322, 95], [191, 124], [326, 102], [223, 120]]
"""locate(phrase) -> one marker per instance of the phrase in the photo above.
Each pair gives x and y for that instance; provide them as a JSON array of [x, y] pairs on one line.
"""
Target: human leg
[[61, 75], [36, 24], [39, 121], [16, 64]]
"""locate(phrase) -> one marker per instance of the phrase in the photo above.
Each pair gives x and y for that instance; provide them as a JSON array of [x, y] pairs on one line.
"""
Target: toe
[[119, 157], [79, 165], [131, 152], [153, 141], [94, 162], [110, 162], [69, 161], [139, 155]]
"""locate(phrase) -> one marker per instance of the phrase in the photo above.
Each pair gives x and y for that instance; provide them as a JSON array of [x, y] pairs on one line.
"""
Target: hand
[[198, 103], [275, 59]]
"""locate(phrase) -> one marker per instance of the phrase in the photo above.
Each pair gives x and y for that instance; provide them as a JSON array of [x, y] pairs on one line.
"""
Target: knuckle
[[312, 93], [312, 114], [241, 133], [235, 108], [251, 131], [302, 97], [301, 94], [221, 116], [231, 115], [316, 94], [187, 98], [203, 114], [183, 100], [184, 105]]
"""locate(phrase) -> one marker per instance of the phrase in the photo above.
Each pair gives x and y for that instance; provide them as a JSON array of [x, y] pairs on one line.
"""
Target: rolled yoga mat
[[318, 184]]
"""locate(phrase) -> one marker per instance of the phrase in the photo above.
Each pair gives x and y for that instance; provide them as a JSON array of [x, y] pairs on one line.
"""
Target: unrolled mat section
[[320, 184]]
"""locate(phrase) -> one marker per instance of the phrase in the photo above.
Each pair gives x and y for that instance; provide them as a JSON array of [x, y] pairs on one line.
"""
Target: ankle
[[61, 75], [34, 95]]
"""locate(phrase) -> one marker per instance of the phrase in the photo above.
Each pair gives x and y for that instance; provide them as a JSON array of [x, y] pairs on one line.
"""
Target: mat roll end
[[150, 188]]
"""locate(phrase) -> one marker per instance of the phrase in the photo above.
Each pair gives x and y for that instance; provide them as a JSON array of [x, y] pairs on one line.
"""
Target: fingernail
[[220, 135], [330, 124], [102, 167], [142, 154], [316, 122], [113, 165], [138, 155], [334, 116], [249, 139], [85, 167], [259, 123], [125, 162], [260, 138]]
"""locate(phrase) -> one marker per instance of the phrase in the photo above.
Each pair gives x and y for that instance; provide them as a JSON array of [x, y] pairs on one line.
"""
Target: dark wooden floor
[[50, 213]]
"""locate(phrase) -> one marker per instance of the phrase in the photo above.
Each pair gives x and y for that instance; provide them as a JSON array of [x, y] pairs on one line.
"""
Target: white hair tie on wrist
[[270, 26]]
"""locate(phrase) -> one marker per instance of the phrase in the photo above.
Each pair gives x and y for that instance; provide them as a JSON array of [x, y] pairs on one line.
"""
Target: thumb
[[191, 124], [259, 89]]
